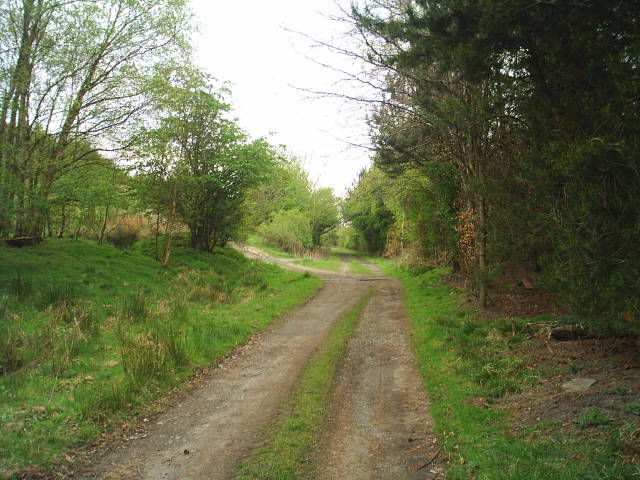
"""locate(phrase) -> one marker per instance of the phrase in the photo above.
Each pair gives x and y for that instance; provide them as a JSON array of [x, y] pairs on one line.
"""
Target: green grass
[[462, 359], [357, 267], [331, 264], [593, 417], [344, 251], [89, 335], [257, 241], [334, 264], [293, 440]]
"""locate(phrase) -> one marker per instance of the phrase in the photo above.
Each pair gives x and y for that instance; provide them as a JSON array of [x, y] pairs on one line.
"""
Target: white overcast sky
[[250, 44]]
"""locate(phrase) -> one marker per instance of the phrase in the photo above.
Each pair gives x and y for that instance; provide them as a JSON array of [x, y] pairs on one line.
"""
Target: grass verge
[[294, 438], [468, 367], [89, 335]]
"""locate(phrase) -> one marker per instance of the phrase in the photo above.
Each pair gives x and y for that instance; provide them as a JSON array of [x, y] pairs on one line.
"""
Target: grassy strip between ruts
[[294, 438], [462, 360], [331, 264], [358, 267], [89, 335]]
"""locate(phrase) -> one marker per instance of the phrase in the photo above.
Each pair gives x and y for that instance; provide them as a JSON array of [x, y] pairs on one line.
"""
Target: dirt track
[[380, 427], [380, 422]]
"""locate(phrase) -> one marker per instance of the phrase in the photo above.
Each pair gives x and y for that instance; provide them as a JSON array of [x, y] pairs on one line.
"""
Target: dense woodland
[[505, 138], [507, 145]]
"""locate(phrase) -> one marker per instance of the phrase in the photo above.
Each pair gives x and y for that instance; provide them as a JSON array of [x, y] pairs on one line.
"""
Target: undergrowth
[[467, 367], [89, 335]]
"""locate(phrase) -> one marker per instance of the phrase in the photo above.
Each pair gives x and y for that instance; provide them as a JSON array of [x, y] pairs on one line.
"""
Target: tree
[[196, 162], [323, 213], [436, 112], [73, 74], [366, 210], [535, 105]]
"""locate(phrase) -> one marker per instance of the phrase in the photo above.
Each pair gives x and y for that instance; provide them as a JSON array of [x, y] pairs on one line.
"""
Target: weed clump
[[56, 293], [149, 354], [13, 343], [136, 306], [592, 418], [20, 286]]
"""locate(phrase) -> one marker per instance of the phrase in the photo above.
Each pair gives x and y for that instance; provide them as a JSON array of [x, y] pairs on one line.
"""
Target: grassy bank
[[91, 334], [294, 438], [469, 367]]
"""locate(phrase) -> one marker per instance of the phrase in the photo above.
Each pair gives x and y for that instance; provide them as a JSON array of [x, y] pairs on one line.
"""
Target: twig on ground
[[430, 461]]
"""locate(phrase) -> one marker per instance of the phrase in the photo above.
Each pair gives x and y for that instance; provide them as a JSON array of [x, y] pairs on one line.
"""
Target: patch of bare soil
[[380, 426], [520, 302], [614, 364], [206, 432]]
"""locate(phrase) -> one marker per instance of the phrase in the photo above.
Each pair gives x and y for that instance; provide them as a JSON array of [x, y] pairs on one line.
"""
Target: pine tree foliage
[[531, 109]]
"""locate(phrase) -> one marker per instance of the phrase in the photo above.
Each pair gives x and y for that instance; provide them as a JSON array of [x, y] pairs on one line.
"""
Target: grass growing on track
[[357, 267], [331, 264], [89, 335], [462, 359], [294, 439]]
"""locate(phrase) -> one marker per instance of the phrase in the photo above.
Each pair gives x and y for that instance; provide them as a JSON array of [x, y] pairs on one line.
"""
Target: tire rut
[[381, 426], [207, 433]]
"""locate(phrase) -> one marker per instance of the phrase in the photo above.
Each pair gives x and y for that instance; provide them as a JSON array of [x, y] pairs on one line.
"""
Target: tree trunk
[[481, 252], [104, 224], [172, 218], [157, 235], [63, 221]]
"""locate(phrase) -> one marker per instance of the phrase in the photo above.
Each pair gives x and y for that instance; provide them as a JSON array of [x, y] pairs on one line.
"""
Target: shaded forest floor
[[501, 388], [549, 409]]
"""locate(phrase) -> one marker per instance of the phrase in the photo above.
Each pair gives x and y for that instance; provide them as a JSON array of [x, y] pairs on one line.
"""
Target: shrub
[[127, 232], [136, 306], [290, 230]]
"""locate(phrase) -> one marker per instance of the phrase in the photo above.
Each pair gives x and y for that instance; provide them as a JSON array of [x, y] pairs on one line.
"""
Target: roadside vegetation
[[293, 439], [91, 334], [506, 146], [475, 372], [123, 175]]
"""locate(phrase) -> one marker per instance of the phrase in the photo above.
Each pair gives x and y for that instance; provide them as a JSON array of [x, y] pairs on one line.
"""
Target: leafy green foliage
[[288, 211], [521, 118], [198, 165], [72, 74], [289, 230]]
